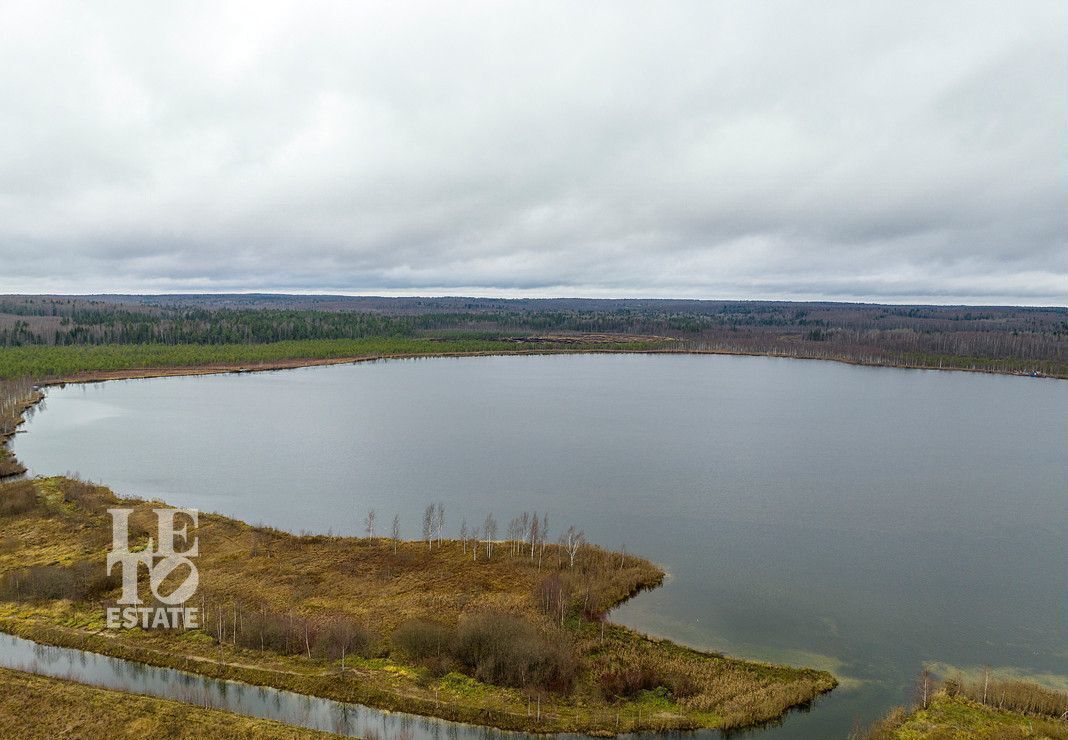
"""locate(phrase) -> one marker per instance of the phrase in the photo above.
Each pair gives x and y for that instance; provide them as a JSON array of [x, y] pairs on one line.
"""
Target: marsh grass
[[38, 708], [333, 617], [44, 362], [1023, 697], [987, 708]]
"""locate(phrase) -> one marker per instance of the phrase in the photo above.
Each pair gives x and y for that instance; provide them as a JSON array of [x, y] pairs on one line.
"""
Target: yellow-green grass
[[43, 362], [382, 584], [959, 718], [33, 707]]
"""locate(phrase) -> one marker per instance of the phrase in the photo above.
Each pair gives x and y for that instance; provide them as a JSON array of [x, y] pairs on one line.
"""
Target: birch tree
[[395, 532], [489, 531], [535, 528], [439, 522], [522, 526], [428, 526], [572, 540], [369, 523], [544, 537], [513, 533], [474, 543], [463, 535]]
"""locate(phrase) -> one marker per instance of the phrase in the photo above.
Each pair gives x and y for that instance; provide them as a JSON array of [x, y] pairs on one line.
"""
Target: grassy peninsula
[[986, 709], [499, 638]]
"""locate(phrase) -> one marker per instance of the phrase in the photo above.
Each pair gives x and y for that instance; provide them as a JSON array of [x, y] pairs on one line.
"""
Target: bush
[[86, 496], [626, 681], [19, 497], [341, 637], [79, 582], [422, 640], [506, 650]]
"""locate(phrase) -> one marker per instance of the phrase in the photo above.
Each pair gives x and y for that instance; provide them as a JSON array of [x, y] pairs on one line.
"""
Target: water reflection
[[251, 701]]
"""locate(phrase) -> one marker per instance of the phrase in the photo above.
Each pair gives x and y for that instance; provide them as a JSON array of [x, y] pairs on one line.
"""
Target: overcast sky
[[885, 151]]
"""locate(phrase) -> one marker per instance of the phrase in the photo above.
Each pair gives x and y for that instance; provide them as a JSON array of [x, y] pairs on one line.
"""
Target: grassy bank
[[74, 362], [34, 707], [16, 398], [959, 718], [987, 709], [276, 605]]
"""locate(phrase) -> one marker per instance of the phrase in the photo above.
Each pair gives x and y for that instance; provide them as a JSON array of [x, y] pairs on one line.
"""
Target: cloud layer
[[895, 151]]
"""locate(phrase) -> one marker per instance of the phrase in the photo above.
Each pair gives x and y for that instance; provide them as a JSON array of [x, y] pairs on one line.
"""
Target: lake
[[863, 520]]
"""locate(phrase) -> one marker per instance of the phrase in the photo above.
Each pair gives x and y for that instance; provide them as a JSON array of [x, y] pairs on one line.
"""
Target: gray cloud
[[891, 151]]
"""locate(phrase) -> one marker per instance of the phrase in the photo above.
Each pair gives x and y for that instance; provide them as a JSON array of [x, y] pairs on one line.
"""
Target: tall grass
[[1023, 697], [986, 708], [41, 362]]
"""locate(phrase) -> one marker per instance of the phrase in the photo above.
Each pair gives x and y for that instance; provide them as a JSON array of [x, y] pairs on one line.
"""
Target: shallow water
[[859, 519]]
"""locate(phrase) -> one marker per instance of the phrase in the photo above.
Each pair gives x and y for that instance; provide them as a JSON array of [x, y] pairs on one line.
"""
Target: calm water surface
[[862, 520], [351, 720]]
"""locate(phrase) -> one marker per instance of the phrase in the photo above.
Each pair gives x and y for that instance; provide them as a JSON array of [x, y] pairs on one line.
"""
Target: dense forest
[[1002, 339]]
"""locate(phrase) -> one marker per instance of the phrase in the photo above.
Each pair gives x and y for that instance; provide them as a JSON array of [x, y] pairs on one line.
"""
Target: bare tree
[[572, 540], [428, 525], [395, 532], [340, 638], [535, 528], [514, 533], [924, 687], [523, 524], [439, 521], [489, 531], [369, 523], [463, 535], [474, 543], [544, 537]]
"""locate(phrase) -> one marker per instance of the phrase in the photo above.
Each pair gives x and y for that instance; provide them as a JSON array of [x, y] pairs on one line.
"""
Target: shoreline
[[297, 363], [380, 680]]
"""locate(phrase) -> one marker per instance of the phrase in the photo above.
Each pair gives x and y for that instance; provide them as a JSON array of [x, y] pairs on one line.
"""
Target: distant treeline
[[1000, 339]]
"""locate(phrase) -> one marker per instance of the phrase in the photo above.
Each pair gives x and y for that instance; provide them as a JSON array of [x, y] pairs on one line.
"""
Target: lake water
[[863, 520]]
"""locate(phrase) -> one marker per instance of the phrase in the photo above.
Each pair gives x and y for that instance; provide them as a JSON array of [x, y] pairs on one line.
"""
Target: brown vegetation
[[39, 708], [442, 630], [986, 708]]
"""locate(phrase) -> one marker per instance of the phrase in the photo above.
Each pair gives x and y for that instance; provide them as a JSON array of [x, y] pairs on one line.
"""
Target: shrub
[[507, 650], [626, 681], [19, 497], [79, 582], [86, 496], [420, 640], [342, 636]]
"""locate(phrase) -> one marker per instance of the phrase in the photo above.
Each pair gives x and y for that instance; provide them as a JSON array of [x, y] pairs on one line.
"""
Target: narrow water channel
[[352, 720]]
